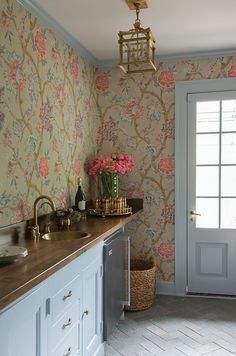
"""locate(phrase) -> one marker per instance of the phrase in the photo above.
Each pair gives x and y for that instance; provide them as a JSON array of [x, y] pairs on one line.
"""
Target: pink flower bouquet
[[108, 169], [118, 163]]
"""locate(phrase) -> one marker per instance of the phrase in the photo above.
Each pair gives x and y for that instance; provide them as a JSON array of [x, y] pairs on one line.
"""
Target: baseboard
[[167, 288]]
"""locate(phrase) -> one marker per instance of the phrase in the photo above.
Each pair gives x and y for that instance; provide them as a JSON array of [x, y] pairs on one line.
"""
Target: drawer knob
[[85, 313], [67, 295], [67, 324], [68, 352]]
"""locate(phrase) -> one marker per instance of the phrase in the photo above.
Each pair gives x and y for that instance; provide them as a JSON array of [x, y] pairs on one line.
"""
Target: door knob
[[192, 212]]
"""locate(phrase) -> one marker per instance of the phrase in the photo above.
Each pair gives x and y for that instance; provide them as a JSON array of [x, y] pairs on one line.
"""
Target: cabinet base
[[100, 351]]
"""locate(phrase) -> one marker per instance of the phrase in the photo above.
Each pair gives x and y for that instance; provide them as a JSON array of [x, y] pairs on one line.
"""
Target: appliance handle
[[127, 301]]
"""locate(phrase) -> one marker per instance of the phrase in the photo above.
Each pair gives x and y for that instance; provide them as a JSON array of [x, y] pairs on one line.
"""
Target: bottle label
[[81, 205]]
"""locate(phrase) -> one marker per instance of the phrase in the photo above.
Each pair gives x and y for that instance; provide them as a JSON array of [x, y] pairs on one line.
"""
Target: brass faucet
[[35, 227]]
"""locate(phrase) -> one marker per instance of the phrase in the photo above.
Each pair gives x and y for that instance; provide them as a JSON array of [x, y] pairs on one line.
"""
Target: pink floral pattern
[[166, 166], [47, 108], [4, 20], [74, 68], [232, 71], [17, 75], [40, 44], [23, 210], [102, 83], [43, 168], [166, 250], [77, 167], [11, 169], [166, 79], [60, 95], [45, 118], [133, 110]]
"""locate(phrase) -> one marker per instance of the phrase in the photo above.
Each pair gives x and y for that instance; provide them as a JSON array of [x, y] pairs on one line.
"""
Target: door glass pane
[[207, 149], [228, 149], [209, 210], [208, 115], [228, 181], [228, 213], [207, 181], [229, 115]]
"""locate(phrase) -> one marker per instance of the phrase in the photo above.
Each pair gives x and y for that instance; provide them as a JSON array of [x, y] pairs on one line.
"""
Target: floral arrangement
[[108, 168], [118, 163]]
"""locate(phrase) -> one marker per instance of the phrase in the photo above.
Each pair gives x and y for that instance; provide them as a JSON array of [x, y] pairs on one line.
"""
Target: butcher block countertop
[[47, 257]]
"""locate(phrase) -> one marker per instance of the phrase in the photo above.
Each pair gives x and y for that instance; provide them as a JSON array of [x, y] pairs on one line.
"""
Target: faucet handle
[[34, 231]]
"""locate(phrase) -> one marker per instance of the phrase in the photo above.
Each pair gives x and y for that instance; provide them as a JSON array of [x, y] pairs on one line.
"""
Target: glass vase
[[108, 185]]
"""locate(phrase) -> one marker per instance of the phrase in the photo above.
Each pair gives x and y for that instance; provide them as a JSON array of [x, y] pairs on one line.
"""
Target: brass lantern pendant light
[[138, 45]]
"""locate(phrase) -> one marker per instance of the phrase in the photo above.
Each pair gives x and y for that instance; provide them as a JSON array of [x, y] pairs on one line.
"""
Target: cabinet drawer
[[65, 297], [70, 345], [63, 325]]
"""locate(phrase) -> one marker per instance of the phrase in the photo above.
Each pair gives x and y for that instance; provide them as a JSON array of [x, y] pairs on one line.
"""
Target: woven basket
[[142, 284]]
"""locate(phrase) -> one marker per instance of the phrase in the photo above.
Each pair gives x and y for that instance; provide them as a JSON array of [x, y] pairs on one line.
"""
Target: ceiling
[[180, 26]]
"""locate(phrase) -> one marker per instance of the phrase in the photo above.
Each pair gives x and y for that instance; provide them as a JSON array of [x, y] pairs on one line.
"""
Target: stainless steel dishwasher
[[116, 283]]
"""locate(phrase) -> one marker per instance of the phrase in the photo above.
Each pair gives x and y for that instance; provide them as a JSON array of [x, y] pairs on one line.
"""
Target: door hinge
[[101, 327], [48, 306], [101, 271]]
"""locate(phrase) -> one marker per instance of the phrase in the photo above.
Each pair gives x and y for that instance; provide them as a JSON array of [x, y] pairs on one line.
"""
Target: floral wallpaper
[[137, 117], [56, 112], [47, 115]]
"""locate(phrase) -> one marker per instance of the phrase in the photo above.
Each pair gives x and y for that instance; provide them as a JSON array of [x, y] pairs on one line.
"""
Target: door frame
[[182, 89]]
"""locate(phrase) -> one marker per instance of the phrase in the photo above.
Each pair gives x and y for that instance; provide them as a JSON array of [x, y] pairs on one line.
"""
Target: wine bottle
[[80, 203]]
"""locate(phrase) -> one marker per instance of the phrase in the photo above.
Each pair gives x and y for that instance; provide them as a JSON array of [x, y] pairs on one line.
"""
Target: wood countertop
[[47, 257]]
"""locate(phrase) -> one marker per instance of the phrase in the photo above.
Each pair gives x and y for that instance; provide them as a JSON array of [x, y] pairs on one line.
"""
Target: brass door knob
[[192, 212]]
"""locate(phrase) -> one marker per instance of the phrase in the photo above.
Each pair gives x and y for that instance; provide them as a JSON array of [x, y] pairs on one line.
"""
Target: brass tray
[[99, 212]]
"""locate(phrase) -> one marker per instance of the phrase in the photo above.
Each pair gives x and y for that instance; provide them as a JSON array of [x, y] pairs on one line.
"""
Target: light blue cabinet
[[23, 328], [92, 325], [62, 317]]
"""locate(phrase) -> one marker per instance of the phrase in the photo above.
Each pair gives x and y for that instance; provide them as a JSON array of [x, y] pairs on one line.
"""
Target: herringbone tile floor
[[177, 326]]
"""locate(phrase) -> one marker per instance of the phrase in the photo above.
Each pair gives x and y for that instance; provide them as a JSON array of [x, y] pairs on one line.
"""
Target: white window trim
[[182, 89]]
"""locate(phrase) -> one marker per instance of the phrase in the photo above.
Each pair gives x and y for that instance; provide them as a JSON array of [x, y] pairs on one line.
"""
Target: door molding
[[182, 89]]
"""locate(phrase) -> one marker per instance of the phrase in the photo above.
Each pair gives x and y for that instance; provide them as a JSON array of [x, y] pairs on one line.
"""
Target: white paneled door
[[212, 193]]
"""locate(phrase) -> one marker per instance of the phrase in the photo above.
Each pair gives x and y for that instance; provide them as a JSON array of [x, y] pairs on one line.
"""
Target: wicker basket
[[142, 284]]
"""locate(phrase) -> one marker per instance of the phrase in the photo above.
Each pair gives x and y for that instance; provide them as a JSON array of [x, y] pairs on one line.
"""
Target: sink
[[65, 235]]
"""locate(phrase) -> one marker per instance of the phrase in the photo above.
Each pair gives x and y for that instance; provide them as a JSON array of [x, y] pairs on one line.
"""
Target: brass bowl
[[65, 235]]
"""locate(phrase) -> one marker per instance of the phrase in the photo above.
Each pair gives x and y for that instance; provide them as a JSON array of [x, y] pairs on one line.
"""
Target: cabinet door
[[92, 308], [23, 327]]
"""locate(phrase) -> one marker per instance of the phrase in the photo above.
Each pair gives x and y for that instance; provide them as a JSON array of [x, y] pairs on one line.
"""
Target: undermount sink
[[65, 235]]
